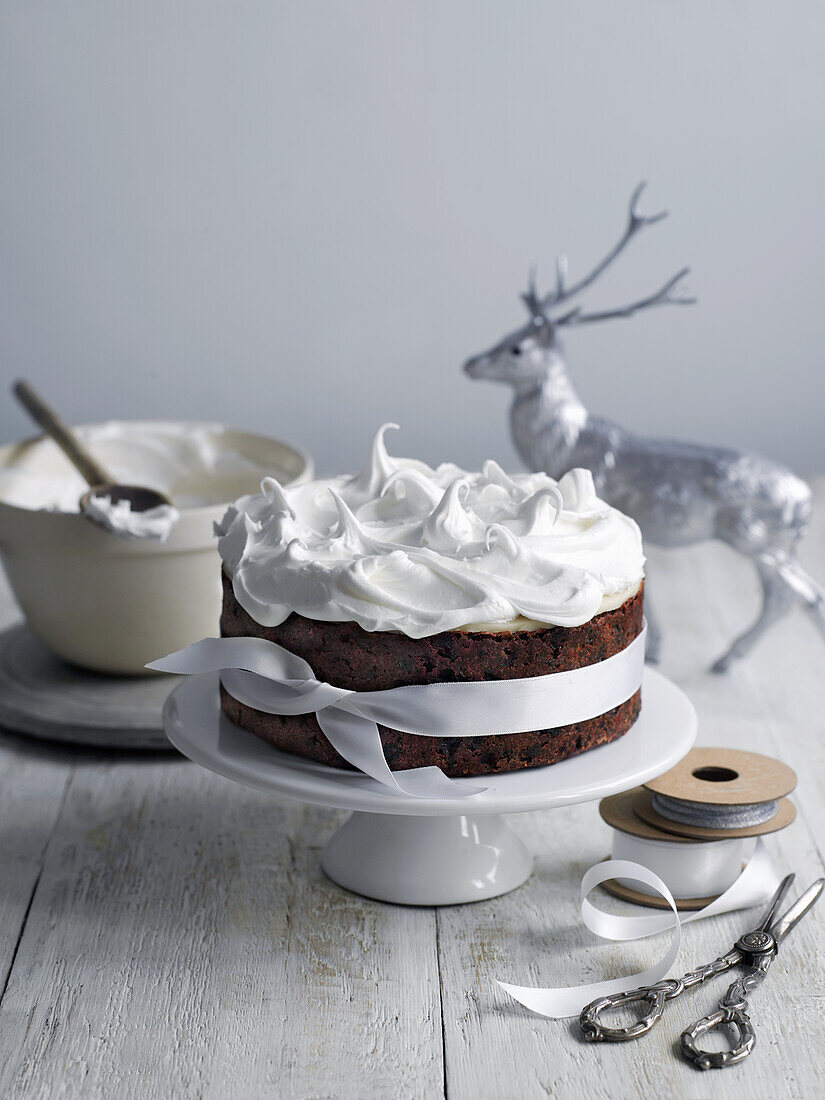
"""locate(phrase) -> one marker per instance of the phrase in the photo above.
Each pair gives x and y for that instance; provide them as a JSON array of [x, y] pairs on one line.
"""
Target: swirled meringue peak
[[408, 548]]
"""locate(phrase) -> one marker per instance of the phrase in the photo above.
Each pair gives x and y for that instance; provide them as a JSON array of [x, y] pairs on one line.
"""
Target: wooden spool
[[706, 776]]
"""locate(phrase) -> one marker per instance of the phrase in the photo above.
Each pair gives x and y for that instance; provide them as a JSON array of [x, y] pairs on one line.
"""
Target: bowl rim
[[300, 478]]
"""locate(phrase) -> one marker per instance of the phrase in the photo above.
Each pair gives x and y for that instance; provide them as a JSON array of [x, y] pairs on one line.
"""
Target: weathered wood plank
[[33, 781], [365, 1012], [183, 943]]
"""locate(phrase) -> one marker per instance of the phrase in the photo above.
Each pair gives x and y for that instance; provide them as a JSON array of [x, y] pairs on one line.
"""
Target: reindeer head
[[527, 355]]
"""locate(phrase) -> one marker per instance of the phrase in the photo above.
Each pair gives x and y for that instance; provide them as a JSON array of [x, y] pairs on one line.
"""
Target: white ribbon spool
[[753, 886], [652, 863], [688, 869]]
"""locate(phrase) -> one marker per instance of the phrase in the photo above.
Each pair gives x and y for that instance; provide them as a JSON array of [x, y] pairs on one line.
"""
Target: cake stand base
[[431, 851], [426, 860]]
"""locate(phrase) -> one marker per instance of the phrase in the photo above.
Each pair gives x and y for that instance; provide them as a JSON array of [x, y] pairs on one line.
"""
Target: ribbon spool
[[694, 826]]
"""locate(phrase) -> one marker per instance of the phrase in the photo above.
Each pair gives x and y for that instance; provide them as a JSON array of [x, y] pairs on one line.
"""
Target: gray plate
[[43, 697]]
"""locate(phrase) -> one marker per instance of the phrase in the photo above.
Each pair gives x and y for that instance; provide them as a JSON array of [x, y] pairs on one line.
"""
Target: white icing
[[194, 464], [407, 548], [154, 523]]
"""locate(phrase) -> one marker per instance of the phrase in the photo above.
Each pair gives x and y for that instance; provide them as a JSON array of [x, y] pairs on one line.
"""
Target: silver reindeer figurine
[[679, 493]]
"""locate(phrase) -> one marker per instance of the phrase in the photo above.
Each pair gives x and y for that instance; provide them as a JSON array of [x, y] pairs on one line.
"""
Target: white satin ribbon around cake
[[269, 678], [754, 885]]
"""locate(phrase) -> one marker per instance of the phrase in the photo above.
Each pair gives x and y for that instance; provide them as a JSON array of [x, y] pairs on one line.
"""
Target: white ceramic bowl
[[112, 604]]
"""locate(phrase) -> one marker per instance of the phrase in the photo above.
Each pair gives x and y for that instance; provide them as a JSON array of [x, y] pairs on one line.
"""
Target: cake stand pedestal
[[416, 851], [427, 860]]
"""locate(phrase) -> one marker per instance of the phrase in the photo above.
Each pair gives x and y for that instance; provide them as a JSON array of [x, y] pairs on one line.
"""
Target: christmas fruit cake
[[408, 575]]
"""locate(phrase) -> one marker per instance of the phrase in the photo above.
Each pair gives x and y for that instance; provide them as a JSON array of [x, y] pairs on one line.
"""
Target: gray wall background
[[302, 217]]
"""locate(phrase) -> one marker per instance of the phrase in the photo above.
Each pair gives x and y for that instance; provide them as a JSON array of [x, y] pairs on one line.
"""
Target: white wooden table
[[165, 933]]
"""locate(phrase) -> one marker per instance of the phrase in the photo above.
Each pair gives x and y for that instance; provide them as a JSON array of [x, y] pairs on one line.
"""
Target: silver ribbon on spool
[[709, 816]]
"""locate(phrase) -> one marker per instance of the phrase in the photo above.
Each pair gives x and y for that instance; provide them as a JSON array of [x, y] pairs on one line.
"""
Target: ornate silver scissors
[[756, 949]]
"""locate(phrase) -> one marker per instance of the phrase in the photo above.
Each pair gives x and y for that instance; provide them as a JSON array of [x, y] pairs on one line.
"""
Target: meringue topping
[[403, 547]]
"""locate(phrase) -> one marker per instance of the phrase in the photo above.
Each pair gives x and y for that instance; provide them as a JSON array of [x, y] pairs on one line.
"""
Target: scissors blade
[[776, 901], [797, 911]]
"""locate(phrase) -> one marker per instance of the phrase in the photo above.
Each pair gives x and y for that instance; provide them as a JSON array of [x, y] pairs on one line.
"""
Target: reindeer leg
[[653, 644], [777, 600]]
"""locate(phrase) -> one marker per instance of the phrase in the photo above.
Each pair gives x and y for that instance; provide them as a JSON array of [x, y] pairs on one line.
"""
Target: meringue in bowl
[[110, 603]]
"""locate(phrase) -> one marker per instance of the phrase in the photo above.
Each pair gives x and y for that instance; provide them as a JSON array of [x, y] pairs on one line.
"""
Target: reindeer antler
[[662, 297], [562, 293], [530, 296]]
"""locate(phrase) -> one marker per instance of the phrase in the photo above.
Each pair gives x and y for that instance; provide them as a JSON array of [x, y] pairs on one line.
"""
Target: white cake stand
[[417, 851]]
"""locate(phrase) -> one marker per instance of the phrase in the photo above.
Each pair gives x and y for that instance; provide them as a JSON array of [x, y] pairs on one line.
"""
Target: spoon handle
[[63, 436]]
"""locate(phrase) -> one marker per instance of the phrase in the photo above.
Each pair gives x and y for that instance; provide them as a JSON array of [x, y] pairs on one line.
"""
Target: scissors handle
[[732, 1014], [653, 995], [595, 1032]]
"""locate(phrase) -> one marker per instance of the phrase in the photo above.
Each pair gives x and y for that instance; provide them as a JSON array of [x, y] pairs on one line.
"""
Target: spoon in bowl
[[131, 510]]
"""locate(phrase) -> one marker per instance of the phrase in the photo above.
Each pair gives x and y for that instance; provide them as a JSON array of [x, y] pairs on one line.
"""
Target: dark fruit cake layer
[[348, 656]]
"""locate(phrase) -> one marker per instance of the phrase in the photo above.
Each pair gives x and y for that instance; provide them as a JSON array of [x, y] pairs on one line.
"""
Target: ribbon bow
[[263, 675]]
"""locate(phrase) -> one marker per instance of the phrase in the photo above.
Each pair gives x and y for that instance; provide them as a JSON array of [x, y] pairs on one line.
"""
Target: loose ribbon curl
[[755, 884], [269, 678]]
